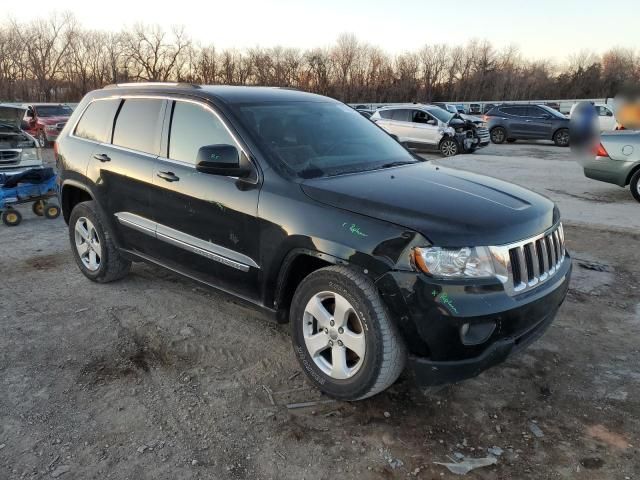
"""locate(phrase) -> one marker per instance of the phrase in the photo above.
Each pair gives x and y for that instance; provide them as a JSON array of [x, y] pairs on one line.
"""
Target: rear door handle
[[103, 157], [168, 176]]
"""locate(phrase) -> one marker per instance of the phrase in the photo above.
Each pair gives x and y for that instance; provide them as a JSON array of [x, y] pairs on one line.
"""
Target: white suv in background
[[427, 126]]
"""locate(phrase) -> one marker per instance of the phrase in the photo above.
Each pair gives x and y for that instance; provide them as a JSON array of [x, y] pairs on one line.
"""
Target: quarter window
[[192, 127], [97, 120], [138, 125]]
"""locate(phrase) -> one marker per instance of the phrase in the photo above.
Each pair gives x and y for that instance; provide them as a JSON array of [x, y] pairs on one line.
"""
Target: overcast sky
[[540, 28]]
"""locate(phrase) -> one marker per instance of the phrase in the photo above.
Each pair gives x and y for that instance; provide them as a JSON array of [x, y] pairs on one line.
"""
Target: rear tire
[[561, 137], [92, 244], [498, 135], [342, 334], [11, 217], [634, 185]]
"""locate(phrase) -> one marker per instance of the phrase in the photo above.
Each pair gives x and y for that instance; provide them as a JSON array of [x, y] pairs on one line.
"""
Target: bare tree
[[56, 59]]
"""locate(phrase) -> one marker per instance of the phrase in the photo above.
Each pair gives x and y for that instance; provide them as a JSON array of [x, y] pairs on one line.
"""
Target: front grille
[[532, 262], [9, 157], [483, 134]]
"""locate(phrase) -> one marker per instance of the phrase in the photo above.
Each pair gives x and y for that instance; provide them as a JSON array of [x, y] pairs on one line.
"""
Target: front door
[[539, 122], [424, 128], [206, 225]]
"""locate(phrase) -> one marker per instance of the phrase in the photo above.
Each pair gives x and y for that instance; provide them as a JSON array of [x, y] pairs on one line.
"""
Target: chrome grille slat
[[532, 261]]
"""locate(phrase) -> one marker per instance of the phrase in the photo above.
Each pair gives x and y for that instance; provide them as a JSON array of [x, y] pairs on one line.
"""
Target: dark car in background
[[297, 204], [46, 120], [527, 122]]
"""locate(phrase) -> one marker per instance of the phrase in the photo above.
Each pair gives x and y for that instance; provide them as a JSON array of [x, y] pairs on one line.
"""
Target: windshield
[[441, 114], [53, 111], [316, 139], [552, 111]]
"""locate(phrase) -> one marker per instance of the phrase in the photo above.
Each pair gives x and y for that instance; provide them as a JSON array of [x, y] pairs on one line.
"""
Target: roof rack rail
[[152, 84]]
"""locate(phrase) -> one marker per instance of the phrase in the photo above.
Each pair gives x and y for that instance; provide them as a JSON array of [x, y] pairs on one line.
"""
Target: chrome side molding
[[187, 242]]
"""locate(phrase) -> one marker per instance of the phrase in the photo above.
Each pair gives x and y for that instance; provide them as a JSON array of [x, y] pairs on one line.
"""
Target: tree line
[[56, 59]]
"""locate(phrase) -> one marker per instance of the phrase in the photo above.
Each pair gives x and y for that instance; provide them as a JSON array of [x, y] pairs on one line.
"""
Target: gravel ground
[[155, 377]]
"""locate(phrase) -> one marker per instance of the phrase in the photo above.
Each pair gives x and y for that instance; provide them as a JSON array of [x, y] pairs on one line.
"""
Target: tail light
[[600, 151]]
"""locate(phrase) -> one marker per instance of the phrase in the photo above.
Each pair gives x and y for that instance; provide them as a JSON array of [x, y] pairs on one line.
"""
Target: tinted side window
[[515, 111], [534, 111], [604, 112], [138, 125], [420, 117], [97, 120], [385, 113], [401, 115], [192, 127]]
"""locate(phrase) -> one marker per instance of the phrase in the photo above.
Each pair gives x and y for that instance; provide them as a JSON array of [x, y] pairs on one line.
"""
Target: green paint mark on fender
[[354, 229]]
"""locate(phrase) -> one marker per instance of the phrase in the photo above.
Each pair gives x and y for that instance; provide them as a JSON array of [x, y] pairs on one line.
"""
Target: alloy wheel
[[497, 135], [334, 335], [88, 244], [563, 138], [449, 148]]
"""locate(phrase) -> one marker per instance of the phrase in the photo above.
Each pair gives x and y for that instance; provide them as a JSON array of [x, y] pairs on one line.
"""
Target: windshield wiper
[[398, 163]]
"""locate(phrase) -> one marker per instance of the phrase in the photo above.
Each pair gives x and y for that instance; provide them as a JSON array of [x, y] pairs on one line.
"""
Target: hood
[[53, 120], [12, 115], [449, 207]]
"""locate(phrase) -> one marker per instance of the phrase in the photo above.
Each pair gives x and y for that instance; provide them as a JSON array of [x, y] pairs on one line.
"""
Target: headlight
[[30, 154], [471, 262]]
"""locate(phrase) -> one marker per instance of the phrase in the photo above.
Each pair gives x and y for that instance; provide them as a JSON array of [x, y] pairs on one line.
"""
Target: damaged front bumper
[[456, 330]]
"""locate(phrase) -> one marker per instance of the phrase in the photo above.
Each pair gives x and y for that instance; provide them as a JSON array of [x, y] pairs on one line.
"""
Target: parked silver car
[[428, 126], [616, 160], [18, 149]]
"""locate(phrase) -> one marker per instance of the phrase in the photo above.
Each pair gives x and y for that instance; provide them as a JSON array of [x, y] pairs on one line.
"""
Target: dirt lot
[[156, 377]]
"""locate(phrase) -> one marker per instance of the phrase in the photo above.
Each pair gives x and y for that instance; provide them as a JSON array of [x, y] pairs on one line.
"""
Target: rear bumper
[[432, 328], [607, 170]]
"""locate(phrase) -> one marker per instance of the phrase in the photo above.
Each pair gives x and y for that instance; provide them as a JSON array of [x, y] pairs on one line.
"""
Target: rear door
[[398, 122], [123, 169], [517, 124], [206, 225]]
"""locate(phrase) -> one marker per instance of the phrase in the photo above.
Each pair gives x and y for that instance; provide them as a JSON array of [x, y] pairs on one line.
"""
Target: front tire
[[92, 244], [634, 185], [449, 147], [342, 334], [498, 135]]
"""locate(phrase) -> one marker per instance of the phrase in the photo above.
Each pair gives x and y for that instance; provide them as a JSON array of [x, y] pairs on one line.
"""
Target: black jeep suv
[[296, 203]]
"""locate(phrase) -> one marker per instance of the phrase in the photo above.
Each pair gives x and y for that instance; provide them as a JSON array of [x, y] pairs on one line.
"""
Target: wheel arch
[[71, 194], [633, 171], [553, 135], [297, 264]]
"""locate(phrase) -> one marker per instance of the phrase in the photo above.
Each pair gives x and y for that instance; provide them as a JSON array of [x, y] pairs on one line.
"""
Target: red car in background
[[46, 120]]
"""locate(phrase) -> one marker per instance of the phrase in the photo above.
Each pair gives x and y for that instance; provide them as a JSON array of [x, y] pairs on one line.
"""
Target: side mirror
[[220, 160], [431, 121], [546, 116]]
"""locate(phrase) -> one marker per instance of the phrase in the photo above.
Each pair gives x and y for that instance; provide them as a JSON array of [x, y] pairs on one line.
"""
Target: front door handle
[[168, 176], [103, 157]]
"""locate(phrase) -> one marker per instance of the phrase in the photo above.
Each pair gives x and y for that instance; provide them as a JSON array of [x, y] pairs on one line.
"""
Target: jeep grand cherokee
[[296, 203]]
